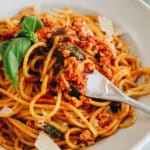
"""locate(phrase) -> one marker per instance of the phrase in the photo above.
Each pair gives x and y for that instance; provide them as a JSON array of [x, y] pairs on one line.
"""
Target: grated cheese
[[106, 26], [1, 148], [6, 110], [44, 142]]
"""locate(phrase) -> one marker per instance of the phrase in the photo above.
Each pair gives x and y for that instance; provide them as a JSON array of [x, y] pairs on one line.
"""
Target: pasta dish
[[44, 61]]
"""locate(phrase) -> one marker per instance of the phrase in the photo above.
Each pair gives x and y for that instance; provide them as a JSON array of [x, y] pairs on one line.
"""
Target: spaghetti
[[52, 82]]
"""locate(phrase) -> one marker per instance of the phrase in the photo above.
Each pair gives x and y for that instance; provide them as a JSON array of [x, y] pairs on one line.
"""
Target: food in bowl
[[45, 59]]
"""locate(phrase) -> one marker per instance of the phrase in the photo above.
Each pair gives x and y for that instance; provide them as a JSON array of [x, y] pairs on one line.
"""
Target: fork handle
[[143, 107]]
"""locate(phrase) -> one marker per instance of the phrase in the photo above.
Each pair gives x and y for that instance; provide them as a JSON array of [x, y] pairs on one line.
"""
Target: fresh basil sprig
[[12, 57], [3, 47], [13, 51], [29, 26]]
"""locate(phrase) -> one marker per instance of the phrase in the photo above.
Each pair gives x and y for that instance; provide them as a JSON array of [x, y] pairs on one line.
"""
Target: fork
[[99, 87]]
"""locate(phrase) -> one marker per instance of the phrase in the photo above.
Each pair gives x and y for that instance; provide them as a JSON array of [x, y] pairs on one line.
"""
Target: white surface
[[134, 17]]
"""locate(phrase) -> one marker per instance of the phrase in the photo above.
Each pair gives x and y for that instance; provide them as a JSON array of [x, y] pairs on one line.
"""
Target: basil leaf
[[29, 26], [31, 23], [3, 47], [18, 47], [13, 51], [33, 37], [29, 35], [11, 68], [13, 57]]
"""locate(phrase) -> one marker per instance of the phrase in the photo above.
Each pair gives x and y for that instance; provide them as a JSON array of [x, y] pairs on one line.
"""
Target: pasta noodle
[[52, 82]]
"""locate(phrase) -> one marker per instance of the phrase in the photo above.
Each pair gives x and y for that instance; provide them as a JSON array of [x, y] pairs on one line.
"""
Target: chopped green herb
[[75, 51], [75, 92], [52, 131]]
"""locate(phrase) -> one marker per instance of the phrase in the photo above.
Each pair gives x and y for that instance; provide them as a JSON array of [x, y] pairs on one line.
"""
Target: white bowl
[[134, 17]]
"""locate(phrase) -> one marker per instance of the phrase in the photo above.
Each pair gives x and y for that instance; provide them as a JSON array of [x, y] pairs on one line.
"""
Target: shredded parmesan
[[1, 148], [119, 31], [44, 142], [119, 46], [6, 110], [106, 26]]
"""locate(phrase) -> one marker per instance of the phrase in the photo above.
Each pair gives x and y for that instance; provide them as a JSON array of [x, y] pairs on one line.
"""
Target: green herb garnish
[[29, 26], [75, 51], [12, 58], [3, 46], [13, 51], [74, 92], [52, 131]]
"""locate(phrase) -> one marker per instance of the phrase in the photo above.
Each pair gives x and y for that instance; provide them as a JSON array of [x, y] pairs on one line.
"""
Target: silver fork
[[98, 86]]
